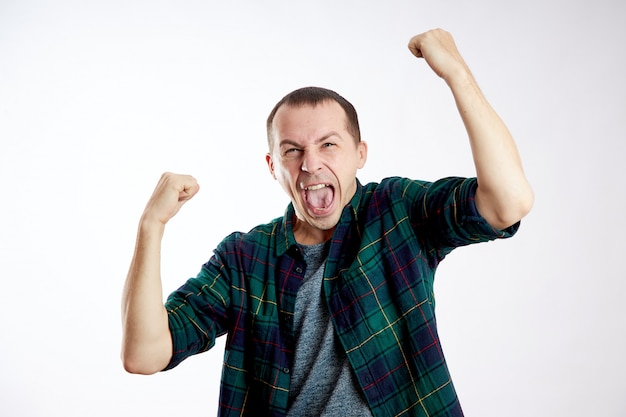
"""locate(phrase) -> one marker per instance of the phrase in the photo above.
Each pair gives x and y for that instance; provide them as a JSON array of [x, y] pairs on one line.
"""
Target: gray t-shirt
[[322, 382]]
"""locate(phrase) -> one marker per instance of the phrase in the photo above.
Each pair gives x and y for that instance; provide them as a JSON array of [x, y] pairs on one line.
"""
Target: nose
[[311, 162]]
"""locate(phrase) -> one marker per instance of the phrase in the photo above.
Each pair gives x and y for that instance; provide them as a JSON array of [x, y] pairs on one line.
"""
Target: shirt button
[[286, 370], [299, 270]]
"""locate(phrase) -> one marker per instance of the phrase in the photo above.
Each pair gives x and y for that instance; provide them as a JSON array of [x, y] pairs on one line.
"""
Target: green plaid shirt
[[378, 283]]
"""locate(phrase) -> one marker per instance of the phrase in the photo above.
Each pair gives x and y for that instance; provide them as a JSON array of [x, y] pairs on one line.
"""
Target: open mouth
[[319, 197]]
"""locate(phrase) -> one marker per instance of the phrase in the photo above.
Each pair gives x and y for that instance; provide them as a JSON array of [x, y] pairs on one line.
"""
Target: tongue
[[321, 198]]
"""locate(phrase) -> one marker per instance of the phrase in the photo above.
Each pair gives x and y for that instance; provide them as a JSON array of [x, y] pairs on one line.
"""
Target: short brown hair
[[312, 96]]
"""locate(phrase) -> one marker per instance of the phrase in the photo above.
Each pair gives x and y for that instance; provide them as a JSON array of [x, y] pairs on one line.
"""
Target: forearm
[[147, 344], [504, 195]]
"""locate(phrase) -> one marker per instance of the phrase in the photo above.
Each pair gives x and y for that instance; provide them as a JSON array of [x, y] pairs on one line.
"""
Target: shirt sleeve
[[197, 311], [444, 213]]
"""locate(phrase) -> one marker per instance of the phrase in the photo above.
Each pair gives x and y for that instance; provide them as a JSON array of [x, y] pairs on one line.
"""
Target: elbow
[[502, 211], [524, 202], [146, 349], [139, 367], [146, 362], [527, 203], [515, 210]]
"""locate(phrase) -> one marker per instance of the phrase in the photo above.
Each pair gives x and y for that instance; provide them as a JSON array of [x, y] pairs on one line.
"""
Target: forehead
[[308, 119]]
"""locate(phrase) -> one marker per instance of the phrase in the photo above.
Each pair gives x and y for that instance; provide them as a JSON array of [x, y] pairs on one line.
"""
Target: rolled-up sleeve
[[445, 213], [197, 311]]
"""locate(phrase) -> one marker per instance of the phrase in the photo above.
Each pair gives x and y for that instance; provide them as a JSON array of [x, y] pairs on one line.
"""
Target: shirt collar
[[286, 240]]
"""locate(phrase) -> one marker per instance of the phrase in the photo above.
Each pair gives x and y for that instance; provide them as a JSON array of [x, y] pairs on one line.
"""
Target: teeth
[[316, 187]]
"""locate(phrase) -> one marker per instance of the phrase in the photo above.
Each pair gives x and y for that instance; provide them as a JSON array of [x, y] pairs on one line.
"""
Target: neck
[[305, 234]]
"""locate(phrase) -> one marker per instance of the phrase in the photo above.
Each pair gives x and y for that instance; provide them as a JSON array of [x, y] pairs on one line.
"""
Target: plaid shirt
[[378, 283]]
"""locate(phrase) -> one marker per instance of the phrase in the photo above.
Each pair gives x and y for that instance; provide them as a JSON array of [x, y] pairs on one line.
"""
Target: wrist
[[460, 78], [151, 226]]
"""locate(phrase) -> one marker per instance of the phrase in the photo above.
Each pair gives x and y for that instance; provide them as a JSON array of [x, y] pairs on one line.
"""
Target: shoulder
[[262, 234], [395, 188], [260, 244], [407, 188]]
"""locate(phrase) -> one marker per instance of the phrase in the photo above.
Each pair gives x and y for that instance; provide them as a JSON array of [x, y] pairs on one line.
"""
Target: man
[[329, 309]]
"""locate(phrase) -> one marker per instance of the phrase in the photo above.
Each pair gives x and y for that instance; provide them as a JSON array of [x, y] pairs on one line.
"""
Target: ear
[[362, 148], [270, 164]]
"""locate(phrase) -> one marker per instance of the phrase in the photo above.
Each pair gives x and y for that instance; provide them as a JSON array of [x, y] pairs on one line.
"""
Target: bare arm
[[147, 343], [504, 195]]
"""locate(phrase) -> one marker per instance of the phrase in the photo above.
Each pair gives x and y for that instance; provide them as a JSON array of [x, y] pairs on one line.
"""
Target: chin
[[327, 223]]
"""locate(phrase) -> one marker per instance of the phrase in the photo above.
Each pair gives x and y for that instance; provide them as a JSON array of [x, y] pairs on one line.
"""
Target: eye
[[327, 144], [291, 152]]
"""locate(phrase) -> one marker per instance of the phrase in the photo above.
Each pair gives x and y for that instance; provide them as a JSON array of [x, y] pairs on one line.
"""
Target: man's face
[[315, 160]]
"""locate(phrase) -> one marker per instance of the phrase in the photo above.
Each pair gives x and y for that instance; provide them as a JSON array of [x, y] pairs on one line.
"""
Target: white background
[[98, 98]]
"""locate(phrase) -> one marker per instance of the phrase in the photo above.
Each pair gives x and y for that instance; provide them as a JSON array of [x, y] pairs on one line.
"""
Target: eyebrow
[[287, 141]]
